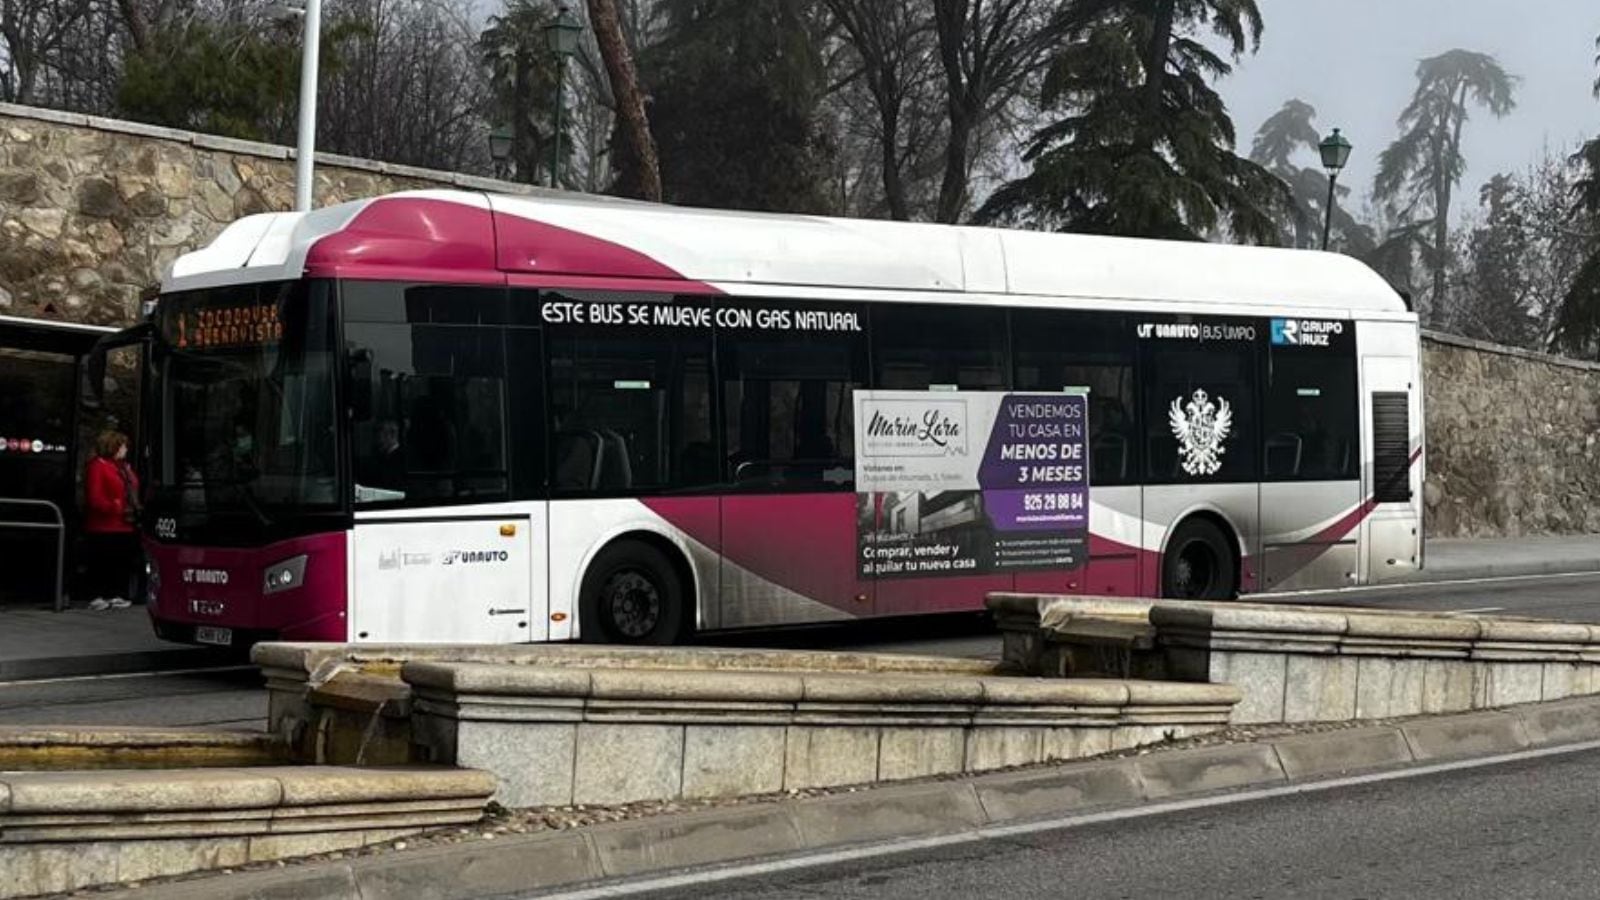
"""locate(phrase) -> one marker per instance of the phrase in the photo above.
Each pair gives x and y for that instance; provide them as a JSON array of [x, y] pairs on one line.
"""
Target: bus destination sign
[[219, 327]]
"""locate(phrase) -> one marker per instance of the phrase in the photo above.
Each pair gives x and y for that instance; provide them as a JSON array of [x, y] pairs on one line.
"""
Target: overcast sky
[[1355, 61]]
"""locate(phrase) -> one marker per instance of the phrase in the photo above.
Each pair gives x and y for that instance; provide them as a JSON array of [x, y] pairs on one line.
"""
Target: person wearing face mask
[[244, 449], [111, 500]]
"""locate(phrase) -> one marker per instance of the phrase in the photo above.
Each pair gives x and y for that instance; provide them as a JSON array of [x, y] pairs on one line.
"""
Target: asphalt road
[[213, 699], [233, 699], [1512, 830], [1569, 597]]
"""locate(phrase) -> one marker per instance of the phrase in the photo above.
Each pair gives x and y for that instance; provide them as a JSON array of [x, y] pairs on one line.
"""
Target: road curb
[[897, 812], [141, 661], [1526, 569]]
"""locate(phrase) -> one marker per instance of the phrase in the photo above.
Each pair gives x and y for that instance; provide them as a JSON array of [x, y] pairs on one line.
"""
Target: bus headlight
[[284, 576]]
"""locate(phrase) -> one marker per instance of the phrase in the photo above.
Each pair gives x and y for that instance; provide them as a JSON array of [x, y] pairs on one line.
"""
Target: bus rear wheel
[[1198, 564], [632, 595]]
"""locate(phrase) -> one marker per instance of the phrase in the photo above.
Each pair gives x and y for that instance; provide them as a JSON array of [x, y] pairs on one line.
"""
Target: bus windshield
[[246, 410]]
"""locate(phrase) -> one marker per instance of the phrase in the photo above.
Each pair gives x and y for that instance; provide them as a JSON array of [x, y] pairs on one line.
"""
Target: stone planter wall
[[1331, 664], [65, 831], [584, 725]]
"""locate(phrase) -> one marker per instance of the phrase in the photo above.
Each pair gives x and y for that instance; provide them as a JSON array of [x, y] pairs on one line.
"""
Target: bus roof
[[580, 240]]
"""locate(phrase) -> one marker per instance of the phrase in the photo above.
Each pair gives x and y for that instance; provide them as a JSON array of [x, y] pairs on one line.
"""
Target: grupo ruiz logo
[[915, 427], [1305, 332], [465, 557]]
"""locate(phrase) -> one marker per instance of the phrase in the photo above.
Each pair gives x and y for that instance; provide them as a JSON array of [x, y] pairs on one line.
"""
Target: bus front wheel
[[1199, 563], [632, 595]]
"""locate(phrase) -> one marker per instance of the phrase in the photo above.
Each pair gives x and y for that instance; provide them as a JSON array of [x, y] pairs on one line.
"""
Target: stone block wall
[[1513, 441], [92, 210]]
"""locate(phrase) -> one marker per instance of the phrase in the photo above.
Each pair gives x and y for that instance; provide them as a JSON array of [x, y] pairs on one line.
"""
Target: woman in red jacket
[[111, 498]]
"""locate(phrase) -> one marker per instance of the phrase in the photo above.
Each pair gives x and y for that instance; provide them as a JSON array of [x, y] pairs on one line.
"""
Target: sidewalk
[[37, 643], [1459, 559]]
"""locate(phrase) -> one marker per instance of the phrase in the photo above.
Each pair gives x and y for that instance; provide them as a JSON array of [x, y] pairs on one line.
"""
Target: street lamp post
[[500, 140], [305, 149], [561, 36], [1335, 152]]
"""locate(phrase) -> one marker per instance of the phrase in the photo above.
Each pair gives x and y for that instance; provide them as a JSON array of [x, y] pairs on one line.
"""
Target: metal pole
[[60, 598], [59, 526], [1327, 222], [561, 81], [306, 148]]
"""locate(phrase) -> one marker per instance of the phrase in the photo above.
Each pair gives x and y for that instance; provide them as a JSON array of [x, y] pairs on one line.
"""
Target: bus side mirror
[[92, 371], [92, 379]]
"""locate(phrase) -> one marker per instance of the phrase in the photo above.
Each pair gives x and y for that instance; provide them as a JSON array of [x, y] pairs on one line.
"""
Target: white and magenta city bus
[[450, 416]]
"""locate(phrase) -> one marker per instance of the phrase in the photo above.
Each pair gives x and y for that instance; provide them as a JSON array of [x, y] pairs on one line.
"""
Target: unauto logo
[[475, 556]]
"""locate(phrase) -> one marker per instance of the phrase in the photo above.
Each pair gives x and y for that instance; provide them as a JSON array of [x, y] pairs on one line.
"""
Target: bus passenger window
[[787, 399], [923, 348], [1309, 421], [431, 424], [1055, 350], [630, 404], [1200, 418]]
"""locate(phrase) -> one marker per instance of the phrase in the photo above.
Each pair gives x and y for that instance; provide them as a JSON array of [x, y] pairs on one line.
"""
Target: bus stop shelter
[[43, 442]]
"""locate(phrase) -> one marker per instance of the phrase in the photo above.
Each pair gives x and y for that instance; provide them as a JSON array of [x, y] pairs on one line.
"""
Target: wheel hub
[[1195, 572], [634, 602]]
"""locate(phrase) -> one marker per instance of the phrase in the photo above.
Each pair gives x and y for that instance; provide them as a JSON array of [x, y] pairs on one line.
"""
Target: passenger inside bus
[[1111, 429], [387, 466]]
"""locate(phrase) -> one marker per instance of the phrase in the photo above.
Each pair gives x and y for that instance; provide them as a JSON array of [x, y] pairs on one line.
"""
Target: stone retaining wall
[[1513, 441], [93, 210]]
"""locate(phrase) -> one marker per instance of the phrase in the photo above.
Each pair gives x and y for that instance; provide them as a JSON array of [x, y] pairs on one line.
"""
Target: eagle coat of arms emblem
[[1200, 427]]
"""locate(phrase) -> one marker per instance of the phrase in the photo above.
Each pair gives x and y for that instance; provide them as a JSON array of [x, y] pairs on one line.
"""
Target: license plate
[[206, 634]]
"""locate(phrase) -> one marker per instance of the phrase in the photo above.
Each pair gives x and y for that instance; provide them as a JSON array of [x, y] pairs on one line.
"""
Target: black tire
[[1199, 564], [632, 594]]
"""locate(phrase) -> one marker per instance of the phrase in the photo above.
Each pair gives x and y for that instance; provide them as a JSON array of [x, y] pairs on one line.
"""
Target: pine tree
[[523, 83], [736, 87], [1282, 140], [1145, 145], [1418, 173]]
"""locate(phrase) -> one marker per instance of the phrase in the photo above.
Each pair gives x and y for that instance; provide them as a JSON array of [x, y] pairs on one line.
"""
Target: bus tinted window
[[919, 348], [422, 304], [786, 396], [430, 425], [1308, 423], [630, 404], [525, 390], [1055, 350], [1200, 399]]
